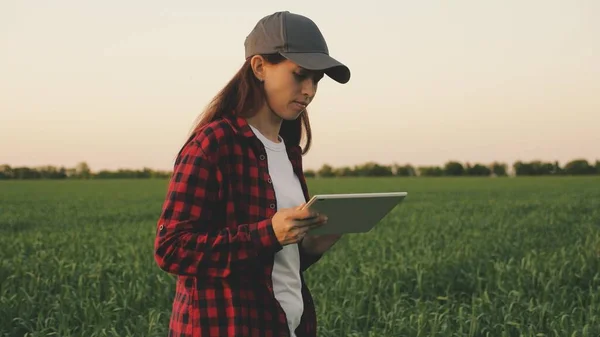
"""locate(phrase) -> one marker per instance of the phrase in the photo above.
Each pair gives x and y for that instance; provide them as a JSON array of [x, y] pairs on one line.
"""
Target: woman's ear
[[257, 63]]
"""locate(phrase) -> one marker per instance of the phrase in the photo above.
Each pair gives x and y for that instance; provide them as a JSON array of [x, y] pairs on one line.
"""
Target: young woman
[[232, 228]]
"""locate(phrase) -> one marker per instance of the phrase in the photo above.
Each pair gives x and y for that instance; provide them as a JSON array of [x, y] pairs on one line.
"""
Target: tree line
[[369, 169], [80, 171], [456, 169]]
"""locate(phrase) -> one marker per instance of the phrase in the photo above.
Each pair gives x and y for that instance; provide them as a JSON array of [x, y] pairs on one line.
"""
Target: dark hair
[[242, 96]]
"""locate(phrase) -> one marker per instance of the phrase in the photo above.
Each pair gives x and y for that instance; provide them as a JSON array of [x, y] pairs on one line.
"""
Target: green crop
[[460, 257]]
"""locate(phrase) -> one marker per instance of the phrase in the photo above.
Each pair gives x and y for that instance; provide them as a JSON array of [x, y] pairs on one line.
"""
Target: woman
[[232, 227]]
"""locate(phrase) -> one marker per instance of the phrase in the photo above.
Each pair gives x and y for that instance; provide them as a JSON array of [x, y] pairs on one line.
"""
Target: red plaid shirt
[[215, 233]]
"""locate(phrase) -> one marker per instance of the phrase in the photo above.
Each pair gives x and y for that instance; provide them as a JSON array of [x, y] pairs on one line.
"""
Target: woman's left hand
[[319, 244]]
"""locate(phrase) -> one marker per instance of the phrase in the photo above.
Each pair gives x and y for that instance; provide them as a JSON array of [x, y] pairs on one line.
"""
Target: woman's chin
[[290, 115]]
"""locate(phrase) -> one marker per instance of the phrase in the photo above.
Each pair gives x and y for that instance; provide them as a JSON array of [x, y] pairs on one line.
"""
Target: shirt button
[[262, 157], [272, 206], [269, 180]]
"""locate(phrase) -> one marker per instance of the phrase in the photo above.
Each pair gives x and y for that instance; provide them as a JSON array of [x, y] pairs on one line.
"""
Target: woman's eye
[[300, 75], [304, 75]]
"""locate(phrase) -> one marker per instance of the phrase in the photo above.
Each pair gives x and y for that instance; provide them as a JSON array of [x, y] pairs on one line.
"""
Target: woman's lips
[[300, 105]]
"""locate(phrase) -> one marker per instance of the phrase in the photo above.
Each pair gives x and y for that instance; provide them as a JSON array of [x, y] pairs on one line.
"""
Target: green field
[[461, 257]]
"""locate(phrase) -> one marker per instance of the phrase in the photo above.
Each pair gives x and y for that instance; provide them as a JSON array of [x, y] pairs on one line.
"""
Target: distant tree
[[597, 166], [82, 170], [360, 170], [344, 171], [62, 172], [521, 168], [454, 168], [545, 168], [51, 172], [431, 171], [479, 170], [499, 169], [406, 171], [155, 174], [6, 172], [556, 169], [579, 167], [25, 173], [378, 170], [145, 173], [310, 173], [372, 169], [534, 168], [104, 174], [326, 171], [71, 172]]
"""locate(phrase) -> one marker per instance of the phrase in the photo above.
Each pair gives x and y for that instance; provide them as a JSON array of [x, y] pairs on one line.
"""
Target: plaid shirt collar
[[241, 127]]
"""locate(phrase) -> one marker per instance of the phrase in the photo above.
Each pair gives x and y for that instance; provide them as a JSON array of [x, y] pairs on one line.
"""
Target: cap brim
[[320, 61]]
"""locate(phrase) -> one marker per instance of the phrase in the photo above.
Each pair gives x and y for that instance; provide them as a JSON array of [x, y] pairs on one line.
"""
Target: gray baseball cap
[[298, 39]]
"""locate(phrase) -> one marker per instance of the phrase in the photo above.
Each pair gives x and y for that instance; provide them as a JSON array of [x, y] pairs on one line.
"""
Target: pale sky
[[119, 83]]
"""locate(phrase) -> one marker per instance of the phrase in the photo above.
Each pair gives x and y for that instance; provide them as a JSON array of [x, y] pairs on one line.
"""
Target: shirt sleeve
[[183, 243]]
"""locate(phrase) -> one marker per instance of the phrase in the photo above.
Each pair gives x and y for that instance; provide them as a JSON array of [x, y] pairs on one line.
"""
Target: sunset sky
[[119, 83]]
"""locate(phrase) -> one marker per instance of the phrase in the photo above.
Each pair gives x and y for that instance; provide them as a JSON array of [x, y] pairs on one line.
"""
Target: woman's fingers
[[311, 222], [303, 214]]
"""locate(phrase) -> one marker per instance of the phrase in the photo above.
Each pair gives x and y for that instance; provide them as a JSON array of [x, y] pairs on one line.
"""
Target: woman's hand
[[292, 224], [319, 244]]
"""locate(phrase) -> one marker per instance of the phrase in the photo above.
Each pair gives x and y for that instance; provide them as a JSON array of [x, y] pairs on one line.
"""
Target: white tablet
[[353, 213]]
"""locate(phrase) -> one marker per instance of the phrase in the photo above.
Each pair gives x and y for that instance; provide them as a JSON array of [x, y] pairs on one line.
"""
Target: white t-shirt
[[286, 270]]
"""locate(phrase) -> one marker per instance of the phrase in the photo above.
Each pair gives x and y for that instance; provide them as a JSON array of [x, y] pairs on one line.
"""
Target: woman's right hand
[[291, 224]]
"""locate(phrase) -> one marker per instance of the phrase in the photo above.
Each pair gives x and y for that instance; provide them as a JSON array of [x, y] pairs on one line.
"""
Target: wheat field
[[460, 257]]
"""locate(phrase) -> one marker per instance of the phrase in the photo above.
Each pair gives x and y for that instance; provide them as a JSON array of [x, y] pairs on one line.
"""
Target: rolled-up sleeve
[[184, 245]]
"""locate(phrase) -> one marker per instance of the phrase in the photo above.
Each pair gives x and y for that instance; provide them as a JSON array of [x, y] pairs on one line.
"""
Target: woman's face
[[289, 87]]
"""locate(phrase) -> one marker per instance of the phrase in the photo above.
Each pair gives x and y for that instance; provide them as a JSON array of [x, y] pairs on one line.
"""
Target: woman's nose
[[309, 88]]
